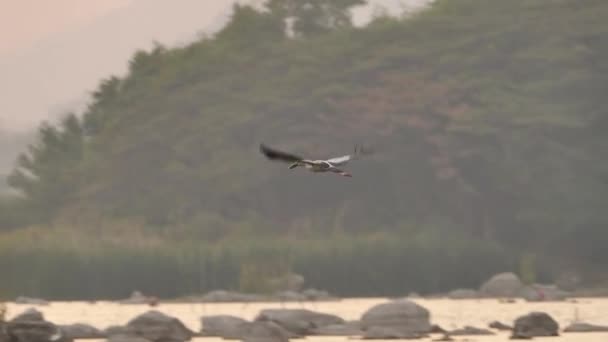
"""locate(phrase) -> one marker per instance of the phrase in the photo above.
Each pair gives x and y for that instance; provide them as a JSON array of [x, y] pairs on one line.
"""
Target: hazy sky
[[54, 52]]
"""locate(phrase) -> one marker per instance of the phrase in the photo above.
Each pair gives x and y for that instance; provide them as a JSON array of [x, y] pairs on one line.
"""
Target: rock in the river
[[502, 285], [299, 321], [81, 331], [352, 328], [290, 296], [225, 326], [469, 330], [500, 326], [463, 294], [138, 298], [158, 327], [222, 296], [31, 301], [30, 314], [585, 327], [540, 292], [265, 331], [116, 330], [34, 331], [535, 324], [400, 317], [391, 333], [314, 294]]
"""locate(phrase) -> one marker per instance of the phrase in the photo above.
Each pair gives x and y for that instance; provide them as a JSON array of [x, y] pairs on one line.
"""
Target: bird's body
[[319, 165]]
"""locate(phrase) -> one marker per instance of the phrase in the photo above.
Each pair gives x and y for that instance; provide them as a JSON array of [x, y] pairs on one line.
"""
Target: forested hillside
[[487, 120]]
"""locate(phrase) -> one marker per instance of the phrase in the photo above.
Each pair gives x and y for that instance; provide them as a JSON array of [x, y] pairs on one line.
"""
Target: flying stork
[[319, 165]]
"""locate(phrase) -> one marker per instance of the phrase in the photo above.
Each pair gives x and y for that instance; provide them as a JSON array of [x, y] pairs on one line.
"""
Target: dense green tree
[[47, 174]]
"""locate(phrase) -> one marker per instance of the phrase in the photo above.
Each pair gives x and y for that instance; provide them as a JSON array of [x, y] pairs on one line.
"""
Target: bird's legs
[[340, 172]]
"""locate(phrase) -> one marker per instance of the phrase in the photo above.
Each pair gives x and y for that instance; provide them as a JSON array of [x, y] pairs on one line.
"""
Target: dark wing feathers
[[273, 154]]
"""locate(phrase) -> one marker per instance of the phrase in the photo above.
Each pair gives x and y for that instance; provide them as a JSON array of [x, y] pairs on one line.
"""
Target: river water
[[449, 314]]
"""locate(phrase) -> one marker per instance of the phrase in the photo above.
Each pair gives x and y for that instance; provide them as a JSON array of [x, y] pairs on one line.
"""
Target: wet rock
[[391, 333], [585, 327], [290, 296], [116, 330], [265, 331], [463, 294], [500, 326], [225, 326], [222, 296], [314, 294], [81, 331], [502, 285], [470, 331], [436, 329], [139, 298], [401, 317], [34, 331], [535, 324], [158, 327], [299, 321], [352, 328], [30, 314]]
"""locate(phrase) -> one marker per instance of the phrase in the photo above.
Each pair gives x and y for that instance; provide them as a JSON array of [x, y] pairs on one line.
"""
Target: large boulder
[[265, 331], [585, 327], [401, 317], [225, 326], [299, 321], [81, 331], [115, 330], [158, 327], [391, 333], [534, 324], [30, 326], [30, 314], [500, 326], [352, 328], [540, 293], [502, 285]]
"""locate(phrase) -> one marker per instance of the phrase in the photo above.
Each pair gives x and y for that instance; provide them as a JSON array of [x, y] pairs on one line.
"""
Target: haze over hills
[[48, 74]]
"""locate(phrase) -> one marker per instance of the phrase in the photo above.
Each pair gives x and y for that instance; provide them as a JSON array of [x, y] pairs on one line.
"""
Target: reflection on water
[[449, 314]]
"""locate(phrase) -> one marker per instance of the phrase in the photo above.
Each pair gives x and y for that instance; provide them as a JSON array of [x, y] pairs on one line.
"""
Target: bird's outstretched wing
[[359, 151], [273, 154]]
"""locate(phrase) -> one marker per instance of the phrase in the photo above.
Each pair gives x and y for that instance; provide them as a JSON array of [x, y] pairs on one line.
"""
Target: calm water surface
[[449, 314]]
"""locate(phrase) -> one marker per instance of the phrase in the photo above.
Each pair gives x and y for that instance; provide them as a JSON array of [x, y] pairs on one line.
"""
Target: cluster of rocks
[[224, 296], [394, 319], [508, 285]]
